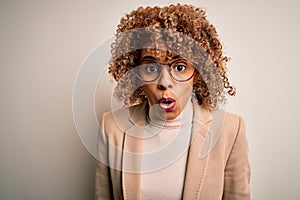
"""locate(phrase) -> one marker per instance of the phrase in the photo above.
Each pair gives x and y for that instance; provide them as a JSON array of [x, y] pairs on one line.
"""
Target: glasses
[[180, 70]]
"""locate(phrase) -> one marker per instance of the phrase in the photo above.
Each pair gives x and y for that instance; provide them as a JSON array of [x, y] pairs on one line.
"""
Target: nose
[[165, 80]]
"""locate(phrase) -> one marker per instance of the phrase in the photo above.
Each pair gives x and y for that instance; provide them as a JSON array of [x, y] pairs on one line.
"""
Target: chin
[[172, 114]]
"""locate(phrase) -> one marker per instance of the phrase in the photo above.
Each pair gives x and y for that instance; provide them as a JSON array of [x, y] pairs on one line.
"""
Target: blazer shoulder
[[111, 116], [120, 119], [226, 122], [233, 122], [234, 130], [114, 119]]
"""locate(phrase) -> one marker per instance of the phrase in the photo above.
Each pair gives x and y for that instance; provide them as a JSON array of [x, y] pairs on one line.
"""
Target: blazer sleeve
[[237, 169], [103, 182]]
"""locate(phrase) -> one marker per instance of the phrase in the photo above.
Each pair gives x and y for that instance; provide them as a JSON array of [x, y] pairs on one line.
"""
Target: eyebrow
[[177, 56], [150, 58], [156, 58]]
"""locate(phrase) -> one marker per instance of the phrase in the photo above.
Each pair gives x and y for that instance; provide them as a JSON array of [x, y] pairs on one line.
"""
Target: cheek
[[190, 85], [149, 90], [184, 92], [185, 89]]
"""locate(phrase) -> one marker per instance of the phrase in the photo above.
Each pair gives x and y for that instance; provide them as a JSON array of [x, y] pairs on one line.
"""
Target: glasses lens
[[149, 71], [182, 70]]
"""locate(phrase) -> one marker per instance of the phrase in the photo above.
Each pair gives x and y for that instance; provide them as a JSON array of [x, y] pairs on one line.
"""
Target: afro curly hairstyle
[[182, 29]]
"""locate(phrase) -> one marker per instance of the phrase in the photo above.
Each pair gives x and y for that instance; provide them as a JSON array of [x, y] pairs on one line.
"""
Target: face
[[166, 94]]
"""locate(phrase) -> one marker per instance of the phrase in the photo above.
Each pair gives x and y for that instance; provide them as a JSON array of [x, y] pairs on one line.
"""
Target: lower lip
[[167, 107]]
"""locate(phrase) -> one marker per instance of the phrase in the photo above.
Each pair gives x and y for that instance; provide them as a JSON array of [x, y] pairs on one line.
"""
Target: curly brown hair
[[182, 29]]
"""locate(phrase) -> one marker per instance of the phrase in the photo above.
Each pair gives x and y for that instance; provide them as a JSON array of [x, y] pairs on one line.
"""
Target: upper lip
[[168, 99]]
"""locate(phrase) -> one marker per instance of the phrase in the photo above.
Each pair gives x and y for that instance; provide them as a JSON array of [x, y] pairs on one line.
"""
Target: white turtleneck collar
[[161, 135]]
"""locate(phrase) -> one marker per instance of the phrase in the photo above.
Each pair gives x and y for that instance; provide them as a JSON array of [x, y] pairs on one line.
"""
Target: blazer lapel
[[133, 144], [196, 167]]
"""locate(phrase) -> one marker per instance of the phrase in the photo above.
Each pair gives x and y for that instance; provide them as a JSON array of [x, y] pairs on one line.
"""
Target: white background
[[43, 43]]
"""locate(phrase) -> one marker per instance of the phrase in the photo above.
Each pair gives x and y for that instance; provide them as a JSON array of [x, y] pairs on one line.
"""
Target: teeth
[[166, 105]]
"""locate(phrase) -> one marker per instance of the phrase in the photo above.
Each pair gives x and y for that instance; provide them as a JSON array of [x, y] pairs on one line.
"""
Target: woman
[[170, 140]]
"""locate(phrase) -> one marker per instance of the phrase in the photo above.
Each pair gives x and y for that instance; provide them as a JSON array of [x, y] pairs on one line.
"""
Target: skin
[[165, 86]]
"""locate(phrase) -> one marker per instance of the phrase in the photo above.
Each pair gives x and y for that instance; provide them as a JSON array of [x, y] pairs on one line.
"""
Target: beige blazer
[[217, 167]]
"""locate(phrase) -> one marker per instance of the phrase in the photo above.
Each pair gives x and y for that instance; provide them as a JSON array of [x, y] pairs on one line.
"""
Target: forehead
[[159, 54]]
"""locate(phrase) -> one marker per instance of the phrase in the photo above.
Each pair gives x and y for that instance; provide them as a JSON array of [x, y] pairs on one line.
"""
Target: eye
[[180, 67], [151, 68]]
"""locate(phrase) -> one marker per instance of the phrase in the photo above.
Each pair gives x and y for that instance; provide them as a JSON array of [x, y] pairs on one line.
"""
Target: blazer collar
[[133, 144]]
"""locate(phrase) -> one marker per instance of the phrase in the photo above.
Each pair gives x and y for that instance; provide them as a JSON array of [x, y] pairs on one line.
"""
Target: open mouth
[[167, 104]]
